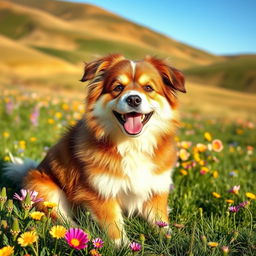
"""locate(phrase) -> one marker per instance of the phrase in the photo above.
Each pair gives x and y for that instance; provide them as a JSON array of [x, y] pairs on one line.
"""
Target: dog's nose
[[133, 100]]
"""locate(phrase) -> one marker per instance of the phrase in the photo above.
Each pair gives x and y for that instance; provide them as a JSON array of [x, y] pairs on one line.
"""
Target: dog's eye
[[118, 88], [148, 88]]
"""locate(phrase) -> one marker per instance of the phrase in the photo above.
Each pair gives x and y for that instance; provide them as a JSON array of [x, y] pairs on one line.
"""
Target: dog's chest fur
[[140, 180]]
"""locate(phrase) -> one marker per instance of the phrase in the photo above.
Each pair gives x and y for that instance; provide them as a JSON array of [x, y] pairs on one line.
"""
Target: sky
[[222, 27]]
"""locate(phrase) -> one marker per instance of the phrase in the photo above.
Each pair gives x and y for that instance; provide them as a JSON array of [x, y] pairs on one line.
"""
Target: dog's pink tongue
[[133, 123]]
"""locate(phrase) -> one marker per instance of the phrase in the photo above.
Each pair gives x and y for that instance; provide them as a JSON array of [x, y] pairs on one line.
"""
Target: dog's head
[[128, 99]]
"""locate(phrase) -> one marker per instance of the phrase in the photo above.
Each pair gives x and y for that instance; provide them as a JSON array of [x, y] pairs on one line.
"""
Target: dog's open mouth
[[133, 122]]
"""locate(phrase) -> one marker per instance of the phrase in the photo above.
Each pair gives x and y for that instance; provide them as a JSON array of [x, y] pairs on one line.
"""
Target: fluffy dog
[[119, 157]]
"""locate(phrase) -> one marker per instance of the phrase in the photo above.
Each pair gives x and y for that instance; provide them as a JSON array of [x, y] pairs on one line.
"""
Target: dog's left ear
[[171, 76], [97, 67]]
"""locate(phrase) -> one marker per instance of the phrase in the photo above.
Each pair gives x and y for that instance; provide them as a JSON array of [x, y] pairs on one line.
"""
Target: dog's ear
[[171, 76], [97, 67]]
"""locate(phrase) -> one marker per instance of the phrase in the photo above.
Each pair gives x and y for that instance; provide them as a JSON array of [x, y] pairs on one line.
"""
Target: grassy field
[[201, 221]]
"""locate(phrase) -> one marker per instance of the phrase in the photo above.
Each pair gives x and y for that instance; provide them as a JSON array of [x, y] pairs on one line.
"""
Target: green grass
[[237, 73], [191, 202]]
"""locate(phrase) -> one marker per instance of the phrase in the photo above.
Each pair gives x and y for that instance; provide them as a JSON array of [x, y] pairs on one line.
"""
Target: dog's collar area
[[132, 122]]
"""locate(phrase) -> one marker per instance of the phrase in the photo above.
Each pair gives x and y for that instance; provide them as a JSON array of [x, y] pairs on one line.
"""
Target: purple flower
[[34, 116], [234, 208], [161, 224], [9, 107], [135, 247], [77, 238], [97, 243], [243, 204], [33, 195]]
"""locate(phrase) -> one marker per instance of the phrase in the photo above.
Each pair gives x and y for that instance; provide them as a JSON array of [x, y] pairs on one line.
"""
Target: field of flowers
[[212, 203]]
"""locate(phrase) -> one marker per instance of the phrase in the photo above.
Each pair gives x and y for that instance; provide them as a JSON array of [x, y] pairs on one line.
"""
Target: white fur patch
[[133, 65]]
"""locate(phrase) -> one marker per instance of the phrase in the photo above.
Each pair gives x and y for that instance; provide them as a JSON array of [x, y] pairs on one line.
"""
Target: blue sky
[[218, 26]]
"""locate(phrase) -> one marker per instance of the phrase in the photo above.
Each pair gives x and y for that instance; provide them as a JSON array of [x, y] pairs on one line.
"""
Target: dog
[[119, 157]]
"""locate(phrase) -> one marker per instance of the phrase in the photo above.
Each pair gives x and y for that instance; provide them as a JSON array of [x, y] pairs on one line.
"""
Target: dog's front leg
[[156, 209], [108, 214]]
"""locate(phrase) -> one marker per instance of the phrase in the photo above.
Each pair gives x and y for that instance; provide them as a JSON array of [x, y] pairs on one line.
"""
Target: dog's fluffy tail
[[17, 168]]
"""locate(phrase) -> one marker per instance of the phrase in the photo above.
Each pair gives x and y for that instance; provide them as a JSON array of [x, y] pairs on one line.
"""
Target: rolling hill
[[58, 36]]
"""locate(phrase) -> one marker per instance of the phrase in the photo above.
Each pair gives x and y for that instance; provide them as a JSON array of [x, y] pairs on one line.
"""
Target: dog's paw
[[122, 242]]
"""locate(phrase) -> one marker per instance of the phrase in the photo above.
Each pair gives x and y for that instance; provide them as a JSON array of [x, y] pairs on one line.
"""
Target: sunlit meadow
[[212, 203]]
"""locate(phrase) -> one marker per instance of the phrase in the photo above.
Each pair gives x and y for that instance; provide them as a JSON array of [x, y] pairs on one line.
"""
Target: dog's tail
[[17, 168]]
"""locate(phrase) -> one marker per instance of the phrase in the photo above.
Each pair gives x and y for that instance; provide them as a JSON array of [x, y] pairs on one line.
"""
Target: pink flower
[[161, 224], [77, 238], [235, 189], [33, 195], [243, 204], [135, 247], [97, 243], [234, 208]]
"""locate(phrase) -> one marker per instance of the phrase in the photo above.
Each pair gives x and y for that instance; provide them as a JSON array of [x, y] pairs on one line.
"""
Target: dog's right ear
[[98, 67]]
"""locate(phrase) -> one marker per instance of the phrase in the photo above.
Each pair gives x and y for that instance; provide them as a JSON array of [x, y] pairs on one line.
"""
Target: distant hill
[[68, 33], [236, 72]]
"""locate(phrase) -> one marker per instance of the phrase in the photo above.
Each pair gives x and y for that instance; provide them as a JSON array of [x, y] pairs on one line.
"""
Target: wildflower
[[233, 208], [34, 116], [97, 243], [243, 204], [33, 196], [135, 247], [215, 174], [161, 224], [3, 224], [233, 173], [235, 190], [3, 198], [213, 244], [9, 107], [250, 195], [58, 115], [225, 249], [216, 195], [27, 238], [185, 144], [50, 121], [94, 252], [7, 159], [197, 157], [33, 139], [208, 136], [49, 205], [36, 215], [58, 232], [184, 154], [9, 206], [217, 145], [6, 134], [201, 147], [183, 172], [77, 238], [204, 170], [229, 201], [168, 236], [142, 238], [7, 251]]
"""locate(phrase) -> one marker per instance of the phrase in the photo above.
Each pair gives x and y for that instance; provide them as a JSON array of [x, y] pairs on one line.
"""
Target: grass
[[197, 217]]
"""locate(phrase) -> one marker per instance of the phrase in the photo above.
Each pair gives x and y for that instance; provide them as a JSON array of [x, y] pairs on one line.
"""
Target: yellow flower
[[184, 154], [27, 238], [250, 195], [183, 172], [208, 136], [22, 144], [201, 147], [50, 204], [50, 121], [6, 134], [6, 251], [185, 144], [197, 157], [36, 215], [7, 158], [213, 244], [215, 174], [32, 139], [58, 231], [65, 106], [58, 115], [229, 201], [216, 195]]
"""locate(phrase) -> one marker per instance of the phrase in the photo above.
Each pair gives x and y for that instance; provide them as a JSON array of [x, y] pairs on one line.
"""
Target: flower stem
[[55, 247]]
